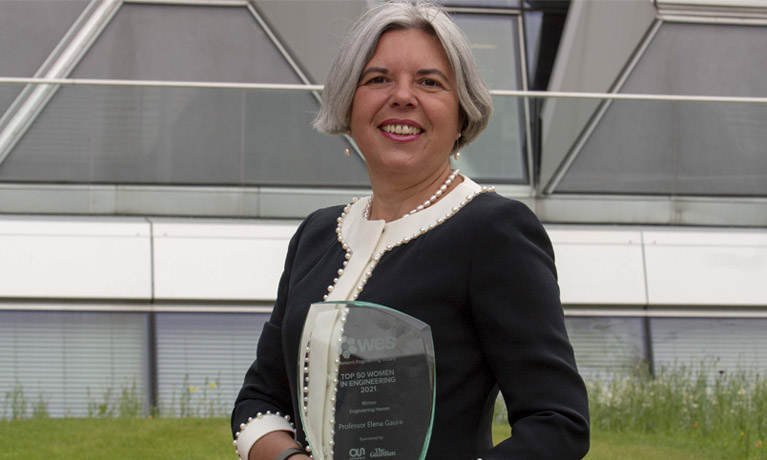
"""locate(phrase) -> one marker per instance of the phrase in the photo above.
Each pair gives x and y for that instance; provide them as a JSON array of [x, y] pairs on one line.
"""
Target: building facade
[[156, 156]]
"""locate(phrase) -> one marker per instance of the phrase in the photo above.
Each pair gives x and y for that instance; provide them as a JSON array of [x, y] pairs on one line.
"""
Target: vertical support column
[[648, 348], [152, 356], [154, 402]]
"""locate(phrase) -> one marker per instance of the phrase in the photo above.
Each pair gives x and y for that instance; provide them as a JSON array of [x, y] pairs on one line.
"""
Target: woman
[[476, 267]]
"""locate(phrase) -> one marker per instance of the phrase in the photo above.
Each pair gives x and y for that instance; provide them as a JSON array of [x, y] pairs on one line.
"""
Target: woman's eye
[[431, 83], [377, 80]]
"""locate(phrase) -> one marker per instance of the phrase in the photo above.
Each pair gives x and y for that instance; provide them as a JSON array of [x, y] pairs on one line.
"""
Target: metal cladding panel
[[237, 260], [75, 258], [224, 261], [688, 267], [599, 267]]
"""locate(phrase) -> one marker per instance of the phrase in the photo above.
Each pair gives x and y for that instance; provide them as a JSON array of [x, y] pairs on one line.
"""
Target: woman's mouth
[[401, 131], [406, 130]]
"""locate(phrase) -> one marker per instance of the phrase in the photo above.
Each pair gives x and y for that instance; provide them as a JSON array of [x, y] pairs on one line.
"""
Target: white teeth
[[401, 129]]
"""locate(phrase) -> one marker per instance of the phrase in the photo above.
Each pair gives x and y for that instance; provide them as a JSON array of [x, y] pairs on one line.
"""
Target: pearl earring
[[457, 155], [348, 152]]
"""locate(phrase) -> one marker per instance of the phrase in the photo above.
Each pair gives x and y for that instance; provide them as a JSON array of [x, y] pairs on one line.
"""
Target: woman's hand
[[270, 445]]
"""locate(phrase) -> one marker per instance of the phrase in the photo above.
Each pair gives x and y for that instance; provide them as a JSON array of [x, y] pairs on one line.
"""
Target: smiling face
[[405, 112]]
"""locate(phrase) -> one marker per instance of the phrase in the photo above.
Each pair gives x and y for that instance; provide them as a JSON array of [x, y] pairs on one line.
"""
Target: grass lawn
[[209, 439], [116, 438], [607, 445], [629, 446]]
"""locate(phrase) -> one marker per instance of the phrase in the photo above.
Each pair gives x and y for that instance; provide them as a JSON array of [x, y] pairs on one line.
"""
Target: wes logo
[[351, 345]]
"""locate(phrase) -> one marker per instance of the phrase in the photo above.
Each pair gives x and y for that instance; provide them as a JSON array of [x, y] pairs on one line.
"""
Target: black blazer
[[486, 284]]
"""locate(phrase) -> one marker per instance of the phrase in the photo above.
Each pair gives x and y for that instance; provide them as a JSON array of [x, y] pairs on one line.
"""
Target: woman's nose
[[402, 94]]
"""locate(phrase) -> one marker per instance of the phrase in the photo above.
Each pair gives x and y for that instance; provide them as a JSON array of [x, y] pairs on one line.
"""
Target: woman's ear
[[463, 121]]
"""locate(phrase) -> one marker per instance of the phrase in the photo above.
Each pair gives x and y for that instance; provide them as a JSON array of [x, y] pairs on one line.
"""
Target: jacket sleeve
[[266, 387], [517, 312]]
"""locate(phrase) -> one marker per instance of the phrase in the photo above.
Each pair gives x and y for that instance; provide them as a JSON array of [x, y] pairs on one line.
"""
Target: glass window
[[495, 45], [631, 151], [281, 147], [719, 344], [36, 26], [605, 346], [702, 59], [202, 359], [213, 136], [76, 363], [203, 136], [499, 155], [533, 24], [685, 148], [482, 3], [183, 42]]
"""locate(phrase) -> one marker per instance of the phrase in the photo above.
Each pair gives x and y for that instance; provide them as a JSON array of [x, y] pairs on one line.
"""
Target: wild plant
[[723, 408]]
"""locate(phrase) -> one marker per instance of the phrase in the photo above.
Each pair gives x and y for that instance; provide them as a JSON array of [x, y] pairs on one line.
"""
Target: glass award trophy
[[366, 382]]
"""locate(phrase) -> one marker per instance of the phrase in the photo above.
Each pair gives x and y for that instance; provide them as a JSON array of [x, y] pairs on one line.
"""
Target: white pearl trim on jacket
[[475, 190]]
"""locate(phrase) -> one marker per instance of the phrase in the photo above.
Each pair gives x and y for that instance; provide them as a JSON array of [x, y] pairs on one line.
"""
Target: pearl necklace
[[375, 258], [442, 188]]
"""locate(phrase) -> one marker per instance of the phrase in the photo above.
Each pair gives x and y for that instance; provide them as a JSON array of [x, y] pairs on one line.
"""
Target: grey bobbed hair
[[359, 45]]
